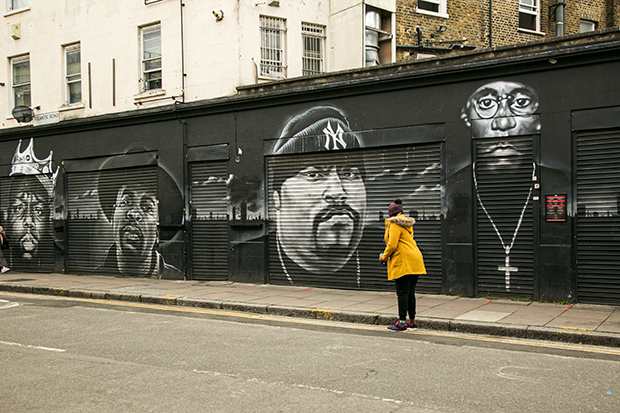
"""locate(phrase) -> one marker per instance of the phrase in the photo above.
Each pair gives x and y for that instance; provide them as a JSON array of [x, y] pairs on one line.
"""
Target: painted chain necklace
[[507, 248]]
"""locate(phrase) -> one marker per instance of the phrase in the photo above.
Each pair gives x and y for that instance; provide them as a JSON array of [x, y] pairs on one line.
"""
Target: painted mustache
[[328, 213]]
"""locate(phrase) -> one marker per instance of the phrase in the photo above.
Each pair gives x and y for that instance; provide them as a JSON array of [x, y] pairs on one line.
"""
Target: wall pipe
[[559, 17], [182, 54], [490, 23]]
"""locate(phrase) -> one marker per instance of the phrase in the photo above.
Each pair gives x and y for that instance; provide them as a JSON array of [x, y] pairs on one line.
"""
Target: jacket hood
[[402, 220]]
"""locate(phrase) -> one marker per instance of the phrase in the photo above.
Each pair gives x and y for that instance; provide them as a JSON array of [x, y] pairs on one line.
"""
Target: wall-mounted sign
[[46, 118], [555, 208]]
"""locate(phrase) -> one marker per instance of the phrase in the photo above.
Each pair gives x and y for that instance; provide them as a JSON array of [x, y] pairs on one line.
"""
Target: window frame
[[145, 73], [442, 8], [531, 10], [11, 8], [13, 98], [315, 34], [591, 25], [272, 58], [72, 78]]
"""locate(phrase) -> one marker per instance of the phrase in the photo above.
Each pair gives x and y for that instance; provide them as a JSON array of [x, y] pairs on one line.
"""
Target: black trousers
[[405, 291]]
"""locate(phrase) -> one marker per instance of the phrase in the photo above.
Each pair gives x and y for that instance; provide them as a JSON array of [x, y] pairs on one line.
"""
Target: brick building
[[426, 28]]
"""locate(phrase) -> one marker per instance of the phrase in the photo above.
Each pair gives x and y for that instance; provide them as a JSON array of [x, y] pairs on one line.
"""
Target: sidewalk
[[579, 323]]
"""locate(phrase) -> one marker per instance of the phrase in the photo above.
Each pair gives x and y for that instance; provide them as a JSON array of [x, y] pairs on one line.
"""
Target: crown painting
[[26, 200]]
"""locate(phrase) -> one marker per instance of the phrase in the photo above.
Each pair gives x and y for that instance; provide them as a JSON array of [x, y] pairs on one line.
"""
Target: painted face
[[135, 221], [502, 109], [28, 218], [320, 213]]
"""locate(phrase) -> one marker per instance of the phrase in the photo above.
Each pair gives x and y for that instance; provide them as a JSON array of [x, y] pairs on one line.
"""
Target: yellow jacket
[[401, 251]]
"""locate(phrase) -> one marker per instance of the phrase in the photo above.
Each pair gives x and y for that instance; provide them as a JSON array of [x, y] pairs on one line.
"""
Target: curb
[[566, 335]]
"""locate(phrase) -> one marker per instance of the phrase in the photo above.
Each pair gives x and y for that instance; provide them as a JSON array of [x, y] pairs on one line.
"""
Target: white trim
[[68, 49], [442, 7], [430, 13], [12, 12], [72, 106], [149, 94], [532, 10], [531, 31], [152, 28], [12, 61]]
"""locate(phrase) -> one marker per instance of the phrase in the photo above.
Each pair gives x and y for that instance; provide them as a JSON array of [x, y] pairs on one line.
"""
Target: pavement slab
[[580, 317], [483, 315], [453, 308], [612, 324]]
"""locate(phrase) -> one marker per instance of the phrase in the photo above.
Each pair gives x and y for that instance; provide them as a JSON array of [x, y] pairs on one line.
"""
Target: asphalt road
[[62, 354]]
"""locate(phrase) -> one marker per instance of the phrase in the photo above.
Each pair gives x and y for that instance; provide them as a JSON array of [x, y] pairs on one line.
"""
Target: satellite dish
[[22, 114]]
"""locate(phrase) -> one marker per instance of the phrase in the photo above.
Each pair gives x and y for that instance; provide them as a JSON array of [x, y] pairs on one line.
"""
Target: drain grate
[[18, 280]]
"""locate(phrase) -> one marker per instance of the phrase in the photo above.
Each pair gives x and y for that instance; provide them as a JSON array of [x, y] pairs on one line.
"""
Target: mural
[[27, 209], [323, 204], [113, 218], [502, 108], [134, 218], [328, 206], [495, 112]]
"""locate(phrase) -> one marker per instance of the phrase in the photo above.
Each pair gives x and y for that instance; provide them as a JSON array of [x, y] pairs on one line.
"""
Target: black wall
[[408, 105]]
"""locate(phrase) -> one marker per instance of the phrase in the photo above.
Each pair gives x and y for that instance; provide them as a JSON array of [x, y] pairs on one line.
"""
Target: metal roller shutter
[[89, 226], [410, 173], [27, 203], [503, 178], [598, 218], [209, 226]]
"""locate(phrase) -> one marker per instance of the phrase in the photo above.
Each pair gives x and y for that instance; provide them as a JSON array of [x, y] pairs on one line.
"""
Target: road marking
[[7, 304], [6, 343], [350, 326], [303, 386]]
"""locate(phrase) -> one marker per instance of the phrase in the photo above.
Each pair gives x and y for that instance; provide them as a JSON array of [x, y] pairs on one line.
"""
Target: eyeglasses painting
[[518, 102]]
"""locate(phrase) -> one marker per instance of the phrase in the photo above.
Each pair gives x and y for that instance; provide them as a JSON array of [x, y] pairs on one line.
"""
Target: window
[[16, 4], [151, 57], [586, 26], [271, 46], [433, 7], [313, 37], [20, 81], [73, 74], [529, 15]]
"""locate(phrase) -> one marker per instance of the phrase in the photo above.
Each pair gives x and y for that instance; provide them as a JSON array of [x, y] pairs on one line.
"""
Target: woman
[[404, 263], [4, 239]]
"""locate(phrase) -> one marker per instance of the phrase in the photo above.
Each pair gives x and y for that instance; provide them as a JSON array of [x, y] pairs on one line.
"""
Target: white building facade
[[79, 58]]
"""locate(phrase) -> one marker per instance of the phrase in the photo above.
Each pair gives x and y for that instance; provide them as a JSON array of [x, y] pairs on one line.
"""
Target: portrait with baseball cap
[[319, 198]]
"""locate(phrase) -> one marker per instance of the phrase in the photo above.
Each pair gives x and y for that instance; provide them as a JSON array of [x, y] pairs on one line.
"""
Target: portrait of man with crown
[[28, 206]]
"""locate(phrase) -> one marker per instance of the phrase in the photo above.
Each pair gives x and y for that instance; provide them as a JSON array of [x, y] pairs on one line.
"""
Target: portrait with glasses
[[502, 108]]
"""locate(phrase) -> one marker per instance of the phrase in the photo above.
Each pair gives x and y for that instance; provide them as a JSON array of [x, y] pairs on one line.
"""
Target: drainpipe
[[490, 23], [559, 17], [182, 55]]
